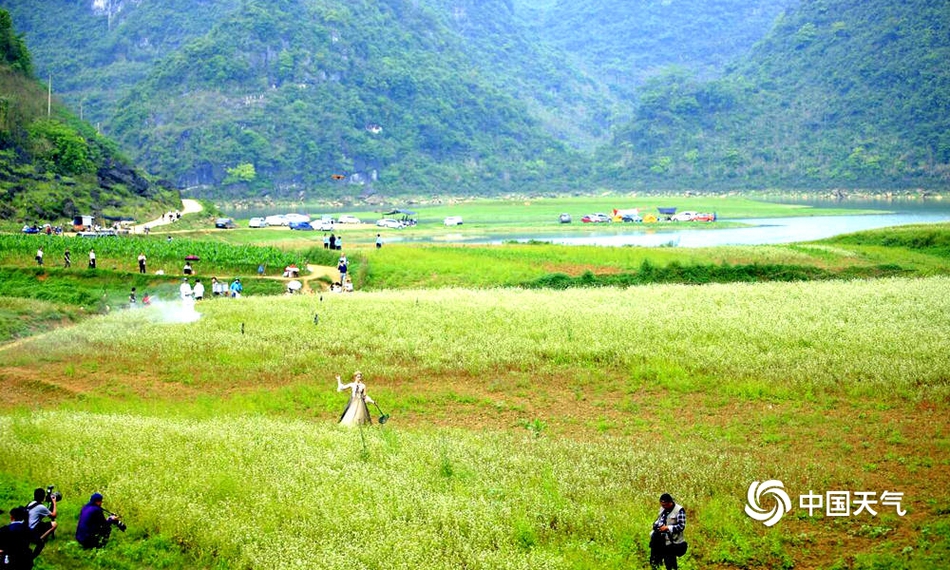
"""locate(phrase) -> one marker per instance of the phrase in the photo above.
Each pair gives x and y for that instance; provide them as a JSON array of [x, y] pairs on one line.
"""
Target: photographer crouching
[[94, 527], [41, 528]]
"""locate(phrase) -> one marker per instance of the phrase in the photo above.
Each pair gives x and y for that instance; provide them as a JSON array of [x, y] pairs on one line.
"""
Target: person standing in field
[[379, 241], [199, 290], [666, 539], [142, 262], [236, 288], [326, 241], [356, 412], [341, 267], [92, 259], [185, 290], [39, 256], [332, 242], [67, 262]]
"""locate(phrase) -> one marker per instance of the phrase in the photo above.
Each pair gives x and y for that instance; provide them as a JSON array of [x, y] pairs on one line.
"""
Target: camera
[[118, 524], [51, 494], [115, 520]]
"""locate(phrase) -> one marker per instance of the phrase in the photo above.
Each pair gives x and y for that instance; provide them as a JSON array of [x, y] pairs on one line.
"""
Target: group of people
[[667, 536], [33, 525], [68, 261], [332, 241]]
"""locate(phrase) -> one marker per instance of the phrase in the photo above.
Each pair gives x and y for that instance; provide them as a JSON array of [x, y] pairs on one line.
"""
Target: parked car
[[389, 223], [323, 225], [628, 218], [686, 216], [291, 218], [98, 233], [224, 223], [348, 220], [302, 226], [596, 219], [453, 221], [257, 223], [564, 218], [276, 220], [31, 230], [704, 217]]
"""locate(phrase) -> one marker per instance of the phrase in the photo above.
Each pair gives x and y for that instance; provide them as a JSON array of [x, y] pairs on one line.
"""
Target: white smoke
[[173, 312]]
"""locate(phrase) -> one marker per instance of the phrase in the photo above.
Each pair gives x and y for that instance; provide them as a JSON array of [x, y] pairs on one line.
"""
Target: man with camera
[[94, 527], [41, 528], [666, 538], [15, 540]]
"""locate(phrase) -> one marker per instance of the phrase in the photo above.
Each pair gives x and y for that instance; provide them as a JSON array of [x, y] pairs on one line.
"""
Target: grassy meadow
[[530, 427]]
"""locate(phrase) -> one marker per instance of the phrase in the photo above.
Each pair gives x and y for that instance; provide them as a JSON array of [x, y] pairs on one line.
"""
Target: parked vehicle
[[323, 225], [348, 220], [686, 216], [276, 220], [224, 223], [291, 218], [453, 221], [302, 226], [31, 229], [83, 223], [257, 223], [596, 219], [564, 218], [389, 223], [704, 217], [628, 218], [98, 233]]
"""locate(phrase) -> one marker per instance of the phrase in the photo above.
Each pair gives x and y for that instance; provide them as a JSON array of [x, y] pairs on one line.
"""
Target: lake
[[759, 231]]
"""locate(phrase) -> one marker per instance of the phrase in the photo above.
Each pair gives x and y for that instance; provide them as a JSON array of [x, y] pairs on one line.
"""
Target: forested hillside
[[52, 165], [625, 42], [280, 97], [305, 99], [841, 93]]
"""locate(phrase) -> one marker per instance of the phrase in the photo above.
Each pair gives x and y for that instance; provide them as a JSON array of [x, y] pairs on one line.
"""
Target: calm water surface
[[759, 231]]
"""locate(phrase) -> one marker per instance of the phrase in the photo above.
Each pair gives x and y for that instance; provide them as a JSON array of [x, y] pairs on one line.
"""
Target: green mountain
[[54, 166], [308, 99], [841, 93], [626, 42], [282, 96]]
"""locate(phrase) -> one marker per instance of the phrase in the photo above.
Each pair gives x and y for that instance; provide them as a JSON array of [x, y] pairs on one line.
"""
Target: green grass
[[230, 429], [531, 428]]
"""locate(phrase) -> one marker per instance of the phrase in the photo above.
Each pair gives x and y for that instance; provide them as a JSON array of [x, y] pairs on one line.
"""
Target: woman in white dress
[[356, 412]]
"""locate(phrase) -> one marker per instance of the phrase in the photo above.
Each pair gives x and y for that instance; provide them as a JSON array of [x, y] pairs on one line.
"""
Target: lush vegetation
[[529, 428], [320, 100], [54, 166], [627, 42], [839, 93]]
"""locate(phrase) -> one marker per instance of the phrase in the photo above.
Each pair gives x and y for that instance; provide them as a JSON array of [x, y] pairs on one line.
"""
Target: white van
[[296, 218], [257, 223], [453, 221], [276, 220]]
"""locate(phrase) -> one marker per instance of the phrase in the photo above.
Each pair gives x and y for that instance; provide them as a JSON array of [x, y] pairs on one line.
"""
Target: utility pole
[[49, 97]]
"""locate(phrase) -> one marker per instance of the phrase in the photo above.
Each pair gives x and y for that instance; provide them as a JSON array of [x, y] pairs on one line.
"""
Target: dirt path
[[188, 207]]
